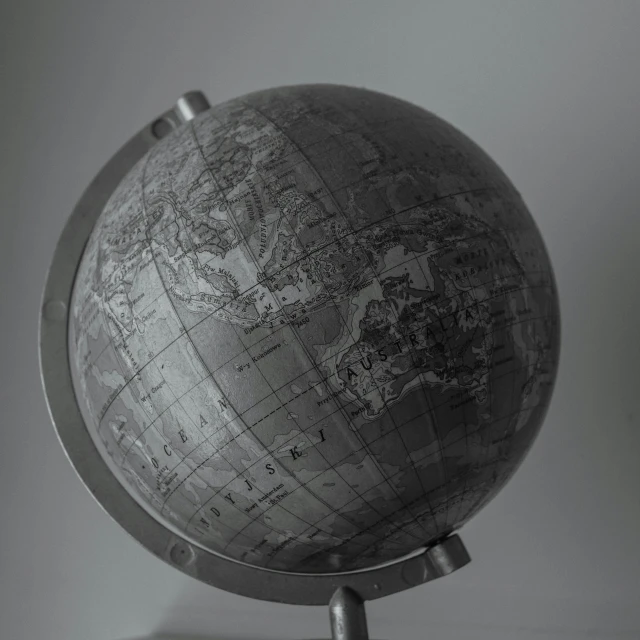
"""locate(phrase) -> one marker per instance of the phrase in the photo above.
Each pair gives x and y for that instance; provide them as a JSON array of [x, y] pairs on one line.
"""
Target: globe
[[314, 329]]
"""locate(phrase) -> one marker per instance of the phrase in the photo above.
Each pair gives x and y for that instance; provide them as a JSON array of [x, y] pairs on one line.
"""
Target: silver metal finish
[[207, 566], [191, 104], [347, 616]]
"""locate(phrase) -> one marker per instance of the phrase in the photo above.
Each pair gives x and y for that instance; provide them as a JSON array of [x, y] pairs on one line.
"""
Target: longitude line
[[275, 298], [330, 294], [412, 349]]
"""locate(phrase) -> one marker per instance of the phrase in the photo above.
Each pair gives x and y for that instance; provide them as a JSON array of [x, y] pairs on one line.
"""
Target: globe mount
[[345, 591]]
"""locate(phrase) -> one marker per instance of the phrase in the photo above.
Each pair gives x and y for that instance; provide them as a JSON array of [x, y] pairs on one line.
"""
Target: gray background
[[550, 89]]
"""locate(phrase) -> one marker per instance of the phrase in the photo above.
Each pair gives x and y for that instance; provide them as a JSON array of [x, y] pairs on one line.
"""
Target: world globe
[[314, 329]]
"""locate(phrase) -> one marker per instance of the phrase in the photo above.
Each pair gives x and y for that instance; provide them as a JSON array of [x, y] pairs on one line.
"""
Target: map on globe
[[314, 329]]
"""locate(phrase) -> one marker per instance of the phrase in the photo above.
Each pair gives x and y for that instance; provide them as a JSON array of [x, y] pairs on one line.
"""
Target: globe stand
[[345, 592]]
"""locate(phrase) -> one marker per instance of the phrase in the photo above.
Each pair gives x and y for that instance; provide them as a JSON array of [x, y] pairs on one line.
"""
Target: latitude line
[[379, 123], [346, 235], [207, 438], [288, 266], [116, 344], [309, 253], [536, 286]]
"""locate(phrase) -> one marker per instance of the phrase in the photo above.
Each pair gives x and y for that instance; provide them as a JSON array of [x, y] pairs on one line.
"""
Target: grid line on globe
[[288, 471], [340, 300], [330, 296]]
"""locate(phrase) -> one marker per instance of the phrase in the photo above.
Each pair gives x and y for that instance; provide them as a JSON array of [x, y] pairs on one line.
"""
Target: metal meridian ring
[[207, 566]]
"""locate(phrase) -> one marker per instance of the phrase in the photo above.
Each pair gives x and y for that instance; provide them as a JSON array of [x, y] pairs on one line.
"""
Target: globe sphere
[[314, 329]]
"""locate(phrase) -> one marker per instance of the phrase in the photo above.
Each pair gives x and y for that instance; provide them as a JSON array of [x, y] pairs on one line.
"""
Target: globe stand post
[[348, 616], [345, 592]]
